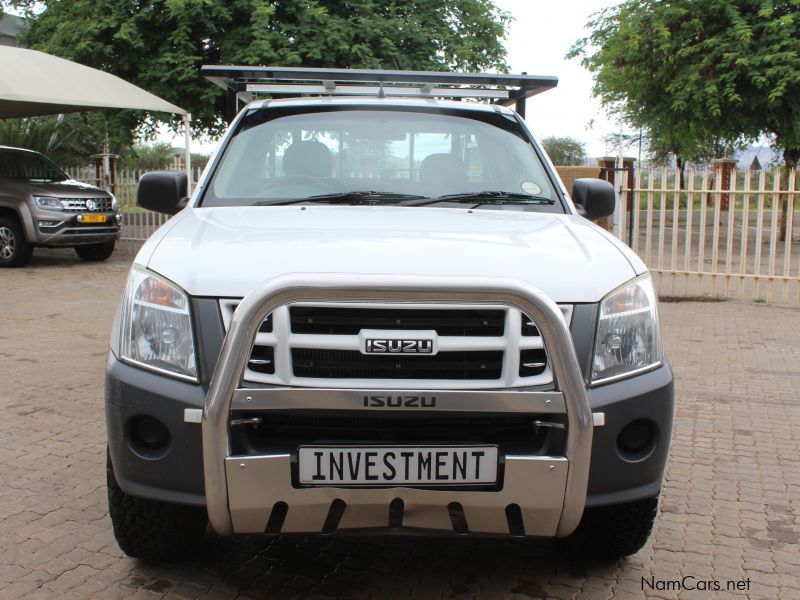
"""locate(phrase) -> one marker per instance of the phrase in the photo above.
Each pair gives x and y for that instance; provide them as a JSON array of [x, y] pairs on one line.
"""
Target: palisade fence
[[715, 238], [709, 238]]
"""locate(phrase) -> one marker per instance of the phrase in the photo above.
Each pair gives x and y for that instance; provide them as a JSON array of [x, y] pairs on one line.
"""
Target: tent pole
[[187, 142]]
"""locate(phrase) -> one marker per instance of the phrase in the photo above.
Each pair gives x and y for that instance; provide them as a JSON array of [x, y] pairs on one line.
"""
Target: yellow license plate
[[94, 218]]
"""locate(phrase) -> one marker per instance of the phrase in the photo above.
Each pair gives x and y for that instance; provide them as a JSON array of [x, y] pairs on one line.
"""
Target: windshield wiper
[[485, 197], [355, 197]]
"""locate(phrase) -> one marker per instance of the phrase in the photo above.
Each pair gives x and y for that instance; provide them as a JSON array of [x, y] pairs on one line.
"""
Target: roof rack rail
[[243, 83]]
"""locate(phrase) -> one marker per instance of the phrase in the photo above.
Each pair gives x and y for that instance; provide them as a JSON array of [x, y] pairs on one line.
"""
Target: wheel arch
[[20, 212]]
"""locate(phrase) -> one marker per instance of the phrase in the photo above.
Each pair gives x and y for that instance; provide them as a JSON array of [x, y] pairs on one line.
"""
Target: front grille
[[80, 204], [348, 364], [329, 320], [290, 430], [322, 345], [90, 230]]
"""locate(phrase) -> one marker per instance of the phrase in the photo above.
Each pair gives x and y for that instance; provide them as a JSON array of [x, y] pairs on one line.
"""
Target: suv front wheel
[[153, 530], [15, 251], [96, 252], [610, 533]]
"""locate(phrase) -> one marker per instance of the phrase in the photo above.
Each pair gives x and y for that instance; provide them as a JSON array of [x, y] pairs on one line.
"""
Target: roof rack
[[243, 83]]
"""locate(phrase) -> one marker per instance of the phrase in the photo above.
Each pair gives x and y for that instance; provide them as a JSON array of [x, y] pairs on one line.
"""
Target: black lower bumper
[[174, 473]]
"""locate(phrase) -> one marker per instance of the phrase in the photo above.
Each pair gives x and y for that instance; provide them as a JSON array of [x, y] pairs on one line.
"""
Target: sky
[[538, 40]]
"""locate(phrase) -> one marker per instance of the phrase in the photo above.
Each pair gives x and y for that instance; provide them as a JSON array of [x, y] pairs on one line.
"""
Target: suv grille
[[321, 345], [79, 204], [330, 320], [290, 430], [352, 364]]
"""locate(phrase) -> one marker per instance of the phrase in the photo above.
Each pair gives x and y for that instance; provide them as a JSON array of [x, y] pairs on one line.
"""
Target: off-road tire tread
[[610, 533], [152, 530], [96, 252], [24, 250]]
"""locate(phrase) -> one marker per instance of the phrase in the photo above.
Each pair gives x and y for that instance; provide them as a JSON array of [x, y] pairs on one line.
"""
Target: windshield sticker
[[531, 188]]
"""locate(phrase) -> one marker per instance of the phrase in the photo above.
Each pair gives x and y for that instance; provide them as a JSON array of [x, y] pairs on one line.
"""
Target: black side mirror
[[594, 198], [163, 191]]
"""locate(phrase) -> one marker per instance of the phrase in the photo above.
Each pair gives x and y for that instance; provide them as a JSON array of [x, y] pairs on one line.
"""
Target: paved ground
[[730, 511]]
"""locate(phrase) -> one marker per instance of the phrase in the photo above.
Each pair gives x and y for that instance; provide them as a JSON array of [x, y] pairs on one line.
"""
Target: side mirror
[[163, 191], [594, 198]]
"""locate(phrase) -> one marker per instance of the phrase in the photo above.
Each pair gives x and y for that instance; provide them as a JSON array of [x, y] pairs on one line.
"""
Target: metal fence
[[711, 236], [715, 236]]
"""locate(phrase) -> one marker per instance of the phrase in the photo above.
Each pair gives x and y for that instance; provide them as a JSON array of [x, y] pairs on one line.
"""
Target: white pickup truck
[[380, 311]]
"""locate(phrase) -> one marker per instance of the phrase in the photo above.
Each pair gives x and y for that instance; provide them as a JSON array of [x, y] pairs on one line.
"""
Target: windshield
[[16, 164], [379, 156]]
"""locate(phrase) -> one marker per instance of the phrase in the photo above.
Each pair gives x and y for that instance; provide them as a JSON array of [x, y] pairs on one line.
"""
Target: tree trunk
[[791, 156], [679, 165]]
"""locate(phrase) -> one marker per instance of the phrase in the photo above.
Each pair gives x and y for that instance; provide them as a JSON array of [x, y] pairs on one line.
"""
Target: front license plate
[[398, 465], [94, 218]]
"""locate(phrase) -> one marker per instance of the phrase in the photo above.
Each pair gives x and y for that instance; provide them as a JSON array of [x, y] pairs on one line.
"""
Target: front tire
[[610, 533], [15, 251], [153, 530], [96, 252]]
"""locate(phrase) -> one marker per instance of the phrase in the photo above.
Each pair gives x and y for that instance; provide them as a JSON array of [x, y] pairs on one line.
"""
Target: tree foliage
[[161, 44], [67, 139], [565, 151], [699, 73]]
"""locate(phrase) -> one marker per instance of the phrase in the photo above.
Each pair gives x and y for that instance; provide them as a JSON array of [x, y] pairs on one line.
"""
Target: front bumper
[[259, 488], [177, 474], [56, 228]]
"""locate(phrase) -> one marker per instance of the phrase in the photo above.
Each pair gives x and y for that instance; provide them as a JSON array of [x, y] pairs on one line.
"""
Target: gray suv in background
[[41, 206]]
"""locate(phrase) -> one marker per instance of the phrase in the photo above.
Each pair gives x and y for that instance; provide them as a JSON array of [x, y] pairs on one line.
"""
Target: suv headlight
[[49, 202], [628, 336], [156, 326]]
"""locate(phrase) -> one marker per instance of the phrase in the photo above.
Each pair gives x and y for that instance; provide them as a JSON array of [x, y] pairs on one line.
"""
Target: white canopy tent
[[34, 83]]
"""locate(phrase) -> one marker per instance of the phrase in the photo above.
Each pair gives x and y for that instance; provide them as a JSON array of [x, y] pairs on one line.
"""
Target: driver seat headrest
[[309, 158]]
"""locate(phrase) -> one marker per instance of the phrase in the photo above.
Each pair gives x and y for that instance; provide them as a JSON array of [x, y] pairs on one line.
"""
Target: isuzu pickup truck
[[380, 311]]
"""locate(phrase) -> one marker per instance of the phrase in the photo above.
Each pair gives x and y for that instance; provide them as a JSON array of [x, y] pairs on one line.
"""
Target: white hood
[[226, 252]]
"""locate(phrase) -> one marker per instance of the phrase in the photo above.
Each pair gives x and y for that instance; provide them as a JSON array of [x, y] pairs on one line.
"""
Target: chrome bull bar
[[314, 287]]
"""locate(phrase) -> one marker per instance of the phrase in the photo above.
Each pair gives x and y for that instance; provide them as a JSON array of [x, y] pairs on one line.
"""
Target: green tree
[[700, 73], [67, 139], [565, 151], [161, 44]]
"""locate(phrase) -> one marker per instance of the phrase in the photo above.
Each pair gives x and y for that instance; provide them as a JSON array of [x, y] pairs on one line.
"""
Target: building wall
[[11, 27]]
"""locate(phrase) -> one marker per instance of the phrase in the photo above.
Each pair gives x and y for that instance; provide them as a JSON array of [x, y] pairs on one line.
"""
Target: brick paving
[[730, 510]]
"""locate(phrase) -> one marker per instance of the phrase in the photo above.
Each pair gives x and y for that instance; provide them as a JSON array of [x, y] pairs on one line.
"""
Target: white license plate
[[398, 465]]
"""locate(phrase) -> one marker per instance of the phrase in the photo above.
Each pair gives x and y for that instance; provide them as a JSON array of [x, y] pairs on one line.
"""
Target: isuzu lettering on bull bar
[[380, 310]]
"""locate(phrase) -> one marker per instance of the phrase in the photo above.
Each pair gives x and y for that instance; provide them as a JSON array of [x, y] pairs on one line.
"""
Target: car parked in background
[[41, 206]]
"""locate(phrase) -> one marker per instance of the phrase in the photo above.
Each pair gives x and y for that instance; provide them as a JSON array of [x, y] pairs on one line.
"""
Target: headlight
[[156, 327], [49, 202], [628, 334], [114, 203]]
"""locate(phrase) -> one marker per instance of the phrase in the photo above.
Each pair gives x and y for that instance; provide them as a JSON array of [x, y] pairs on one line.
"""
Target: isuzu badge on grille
[[398, 342]]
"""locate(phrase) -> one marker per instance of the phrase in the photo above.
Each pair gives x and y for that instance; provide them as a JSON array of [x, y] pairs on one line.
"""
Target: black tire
[[152, 530], [15, 251], [609, 533], [96, 252]]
